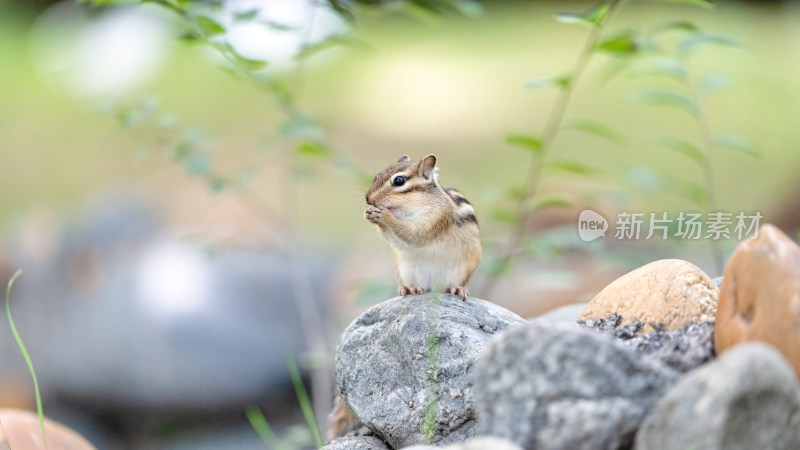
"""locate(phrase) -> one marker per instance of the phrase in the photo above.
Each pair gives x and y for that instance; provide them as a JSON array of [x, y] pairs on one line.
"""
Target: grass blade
[[305, 403], [25, 355], [260, 424]]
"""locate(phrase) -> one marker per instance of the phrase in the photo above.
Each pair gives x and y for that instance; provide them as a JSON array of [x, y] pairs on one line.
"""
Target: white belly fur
[[433, 267]]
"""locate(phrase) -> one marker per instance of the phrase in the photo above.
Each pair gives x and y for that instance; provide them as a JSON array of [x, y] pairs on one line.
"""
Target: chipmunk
[[433, 231]]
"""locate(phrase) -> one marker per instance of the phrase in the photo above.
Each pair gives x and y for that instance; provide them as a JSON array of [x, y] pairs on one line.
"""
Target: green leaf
[[572, 167], [277, 84], [174, 4], [645, 179], [280, 26], [516, 193], [129, 117], [468, 8], [714, 82], [504, 215], [208, 26], [303, 128], [107, 2], [342, 9], [735, 142], [701, 3], [625, 43], [596, 128], [684, 148], [664, 97], [328, 43], [182, 150], [562, 81], [245, 16], [550, 202], [526, 141], [697, 40], [168, 121], [217, 184], [247, 63], [690, 191], [197, 164], [592, 16], [312, 149], [191, 37], [684, 26], [668, 67]]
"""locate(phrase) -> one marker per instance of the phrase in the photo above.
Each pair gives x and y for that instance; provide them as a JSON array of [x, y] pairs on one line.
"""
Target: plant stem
[[708, 172], [26, 356], [534, 175]]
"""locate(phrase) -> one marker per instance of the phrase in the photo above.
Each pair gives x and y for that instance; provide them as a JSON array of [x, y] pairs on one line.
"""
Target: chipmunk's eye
[[398, 181]]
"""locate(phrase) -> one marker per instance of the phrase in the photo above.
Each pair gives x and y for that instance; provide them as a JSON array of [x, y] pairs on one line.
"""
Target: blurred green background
[[410, 82]]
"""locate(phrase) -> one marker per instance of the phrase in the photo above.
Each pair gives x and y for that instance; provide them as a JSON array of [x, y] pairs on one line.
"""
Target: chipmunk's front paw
[[374, 213], [459, 291], [410, 290]]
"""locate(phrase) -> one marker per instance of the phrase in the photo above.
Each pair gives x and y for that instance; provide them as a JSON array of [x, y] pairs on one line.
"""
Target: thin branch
[[708, 171], [534, 174]]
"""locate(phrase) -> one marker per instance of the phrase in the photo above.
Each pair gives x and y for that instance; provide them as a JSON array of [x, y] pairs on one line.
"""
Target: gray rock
[[556, 386], [356, 443], [477, 443], [747, 399], [682, 350], [404, 367], [565, 314]]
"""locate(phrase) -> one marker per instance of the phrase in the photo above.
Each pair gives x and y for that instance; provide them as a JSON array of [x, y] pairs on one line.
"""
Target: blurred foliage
[[302, 145]]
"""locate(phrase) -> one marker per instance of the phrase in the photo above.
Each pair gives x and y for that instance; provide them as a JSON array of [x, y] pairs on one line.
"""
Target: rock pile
[[637, 370]]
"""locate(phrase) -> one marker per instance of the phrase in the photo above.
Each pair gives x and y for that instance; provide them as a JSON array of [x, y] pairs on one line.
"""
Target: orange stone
[[671, 293], [760, 297], [21, 430]]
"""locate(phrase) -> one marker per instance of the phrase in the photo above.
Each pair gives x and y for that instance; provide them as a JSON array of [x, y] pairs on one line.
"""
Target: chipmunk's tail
[[341, 420]]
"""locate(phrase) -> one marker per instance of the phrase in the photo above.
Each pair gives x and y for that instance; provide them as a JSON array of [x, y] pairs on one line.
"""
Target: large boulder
[[554, 386], [404, 367], [760, 298], [747, 399], [667, 294]]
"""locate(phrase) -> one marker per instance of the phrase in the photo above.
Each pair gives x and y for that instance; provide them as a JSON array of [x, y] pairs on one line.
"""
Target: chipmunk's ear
[[427, 167], [404, 158]]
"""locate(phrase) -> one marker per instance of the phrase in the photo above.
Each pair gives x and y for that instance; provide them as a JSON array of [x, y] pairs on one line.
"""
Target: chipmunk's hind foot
[[459, 291], [410, 290]]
